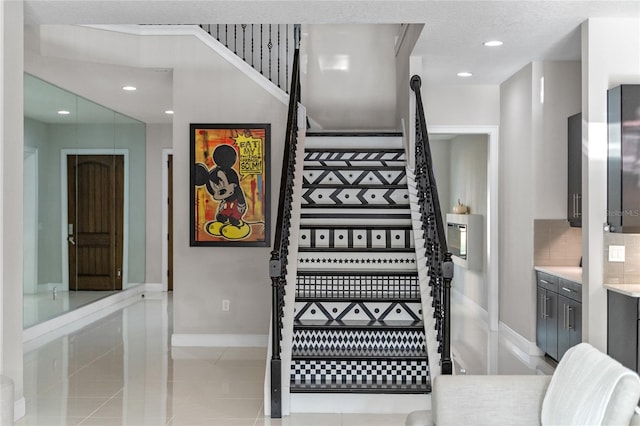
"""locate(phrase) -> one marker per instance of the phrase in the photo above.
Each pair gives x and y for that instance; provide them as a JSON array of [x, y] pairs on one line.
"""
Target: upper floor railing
[[268, 48]]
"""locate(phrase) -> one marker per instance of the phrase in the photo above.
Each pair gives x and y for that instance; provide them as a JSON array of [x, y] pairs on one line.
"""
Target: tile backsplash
[[627, 272], [556, 243]]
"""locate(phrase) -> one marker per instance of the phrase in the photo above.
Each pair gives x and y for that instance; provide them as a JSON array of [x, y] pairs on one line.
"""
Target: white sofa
[[587, 388]]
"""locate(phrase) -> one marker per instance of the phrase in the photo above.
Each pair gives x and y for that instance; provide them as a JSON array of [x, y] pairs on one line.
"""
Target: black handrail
[[278, 262], [439, 262]]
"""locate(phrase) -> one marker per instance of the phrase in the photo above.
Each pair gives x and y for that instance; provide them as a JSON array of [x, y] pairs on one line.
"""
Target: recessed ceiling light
[[464, 74], [129, 88], [493, 43], [169, 111], [63, 112]]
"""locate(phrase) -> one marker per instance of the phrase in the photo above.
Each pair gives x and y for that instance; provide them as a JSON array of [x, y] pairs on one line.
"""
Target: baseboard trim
[[219, 340], [19, 409], [43, 333], [527, 347]]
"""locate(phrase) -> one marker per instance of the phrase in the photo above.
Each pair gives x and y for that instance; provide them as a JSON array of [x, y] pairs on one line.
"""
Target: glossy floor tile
[[45, 305], [121, 370]]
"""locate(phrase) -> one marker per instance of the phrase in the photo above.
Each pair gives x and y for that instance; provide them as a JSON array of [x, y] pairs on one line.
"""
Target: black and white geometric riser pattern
[[358, 196], [354, 158], [357, 371], [406, 340], [353, 237], [372, 311], [387, 176]]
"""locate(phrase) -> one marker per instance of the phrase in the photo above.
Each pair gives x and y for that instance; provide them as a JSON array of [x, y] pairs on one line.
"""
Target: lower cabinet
[[623, 331], [547, 323], [569, 324], [558, 314]]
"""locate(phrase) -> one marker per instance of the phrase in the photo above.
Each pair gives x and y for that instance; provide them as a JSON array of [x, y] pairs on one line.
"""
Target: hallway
[[121, 370]]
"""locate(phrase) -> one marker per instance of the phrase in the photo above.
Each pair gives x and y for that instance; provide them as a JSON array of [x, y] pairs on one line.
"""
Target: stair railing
[[268, 48], [278, 262], [439, 263]]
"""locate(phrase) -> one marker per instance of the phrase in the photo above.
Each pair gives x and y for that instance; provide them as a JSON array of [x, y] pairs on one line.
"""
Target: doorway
[[167, 219], [95, 221]]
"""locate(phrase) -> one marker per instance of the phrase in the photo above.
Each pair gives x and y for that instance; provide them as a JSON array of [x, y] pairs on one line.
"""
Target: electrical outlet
[[225, 305], [616, 253]]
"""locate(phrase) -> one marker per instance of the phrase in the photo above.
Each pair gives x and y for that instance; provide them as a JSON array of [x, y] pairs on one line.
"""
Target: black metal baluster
[[218, 32], [261, 44], [226, 38], [235, 39], [270, 46], [278, 54], [244, 37], [252, 38]]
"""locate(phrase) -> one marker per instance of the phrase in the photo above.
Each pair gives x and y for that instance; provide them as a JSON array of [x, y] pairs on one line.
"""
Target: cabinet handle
[[569, 310], [579, 207], [564, 316], [544, 281], [546, 300], [573, 206], [567, 289]]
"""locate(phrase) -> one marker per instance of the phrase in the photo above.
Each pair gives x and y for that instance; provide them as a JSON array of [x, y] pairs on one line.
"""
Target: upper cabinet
[[623, 183], [574, 156]]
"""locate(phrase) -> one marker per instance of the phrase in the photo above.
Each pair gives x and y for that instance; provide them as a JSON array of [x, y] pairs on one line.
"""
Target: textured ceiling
[[451, 40]]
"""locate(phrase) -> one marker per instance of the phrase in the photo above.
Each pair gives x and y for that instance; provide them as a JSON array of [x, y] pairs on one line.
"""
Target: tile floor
[[121, 370]]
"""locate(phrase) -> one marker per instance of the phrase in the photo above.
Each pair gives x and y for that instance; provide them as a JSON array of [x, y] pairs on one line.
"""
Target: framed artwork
[[230, 184]]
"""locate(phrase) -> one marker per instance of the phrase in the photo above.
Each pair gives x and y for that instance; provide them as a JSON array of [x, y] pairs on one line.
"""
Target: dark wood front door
[[95, 228]]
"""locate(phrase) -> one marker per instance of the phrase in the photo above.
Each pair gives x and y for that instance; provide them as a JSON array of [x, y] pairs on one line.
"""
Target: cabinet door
[[574, 177], [541, 320], [551, 320], [569, 324]]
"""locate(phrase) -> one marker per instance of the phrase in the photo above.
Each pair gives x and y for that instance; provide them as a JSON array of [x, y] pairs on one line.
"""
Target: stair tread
[[359, 324], [359, 354], [364, 226], [359, 168], [364, 133], [364, 272], [340, 185], [360, 388], [357, 249]]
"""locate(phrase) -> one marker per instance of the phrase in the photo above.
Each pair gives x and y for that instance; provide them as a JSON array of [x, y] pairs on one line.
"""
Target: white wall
[[610, 56], [11, 165], [463, 105], [204, 276], [159, 137], [517, 292], [348, 76], [562, 98]]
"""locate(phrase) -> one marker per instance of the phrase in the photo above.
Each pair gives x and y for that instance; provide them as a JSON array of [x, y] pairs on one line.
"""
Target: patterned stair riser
[[361, 372], [347, 311], [355, 197], [382, 286], [359, 340], [358, 318], [386, 261], [355, 238], [352, 176], [348, 158]]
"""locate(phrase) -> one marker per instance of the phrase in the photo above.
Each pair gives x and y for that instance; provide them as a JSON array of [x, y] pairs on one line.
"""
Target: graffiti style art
[[230, 184]]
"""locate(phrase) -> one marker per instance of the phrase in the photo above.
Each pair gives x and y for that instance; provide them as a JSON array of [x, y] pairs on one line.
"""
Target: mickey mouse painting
[[223, 185]]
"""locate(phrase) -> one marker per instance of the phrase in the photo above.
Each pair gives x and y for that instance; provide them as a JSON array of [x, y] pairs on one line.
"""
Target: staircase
[[358, 316]]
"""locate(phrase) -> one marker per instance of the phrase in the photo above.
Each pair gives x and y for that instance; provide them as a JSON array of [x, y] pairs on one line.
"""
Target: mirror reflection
[[84, 201]]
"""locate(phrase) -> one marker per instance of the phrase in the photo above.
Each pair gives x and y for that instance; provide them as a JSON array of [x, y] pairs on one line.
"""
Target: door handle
[[71, 240]]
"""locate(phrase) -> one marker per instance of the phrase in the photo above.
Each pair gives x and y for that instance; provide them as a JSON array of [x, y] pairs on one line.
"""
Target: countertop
[[571, 273], [632, 290]]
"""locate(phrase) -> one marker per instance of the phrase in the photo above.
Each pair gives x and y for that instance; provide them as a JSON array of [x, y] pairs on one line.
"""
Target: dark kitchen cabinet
[[623, 159], [547, 314], [558, 314], [574, 167], [569, 315], [623, 315]]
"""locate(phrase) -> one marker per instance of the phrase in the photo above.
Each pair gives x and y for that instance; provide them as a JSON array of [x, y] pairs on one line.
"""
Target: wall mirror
[[84, 201]]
